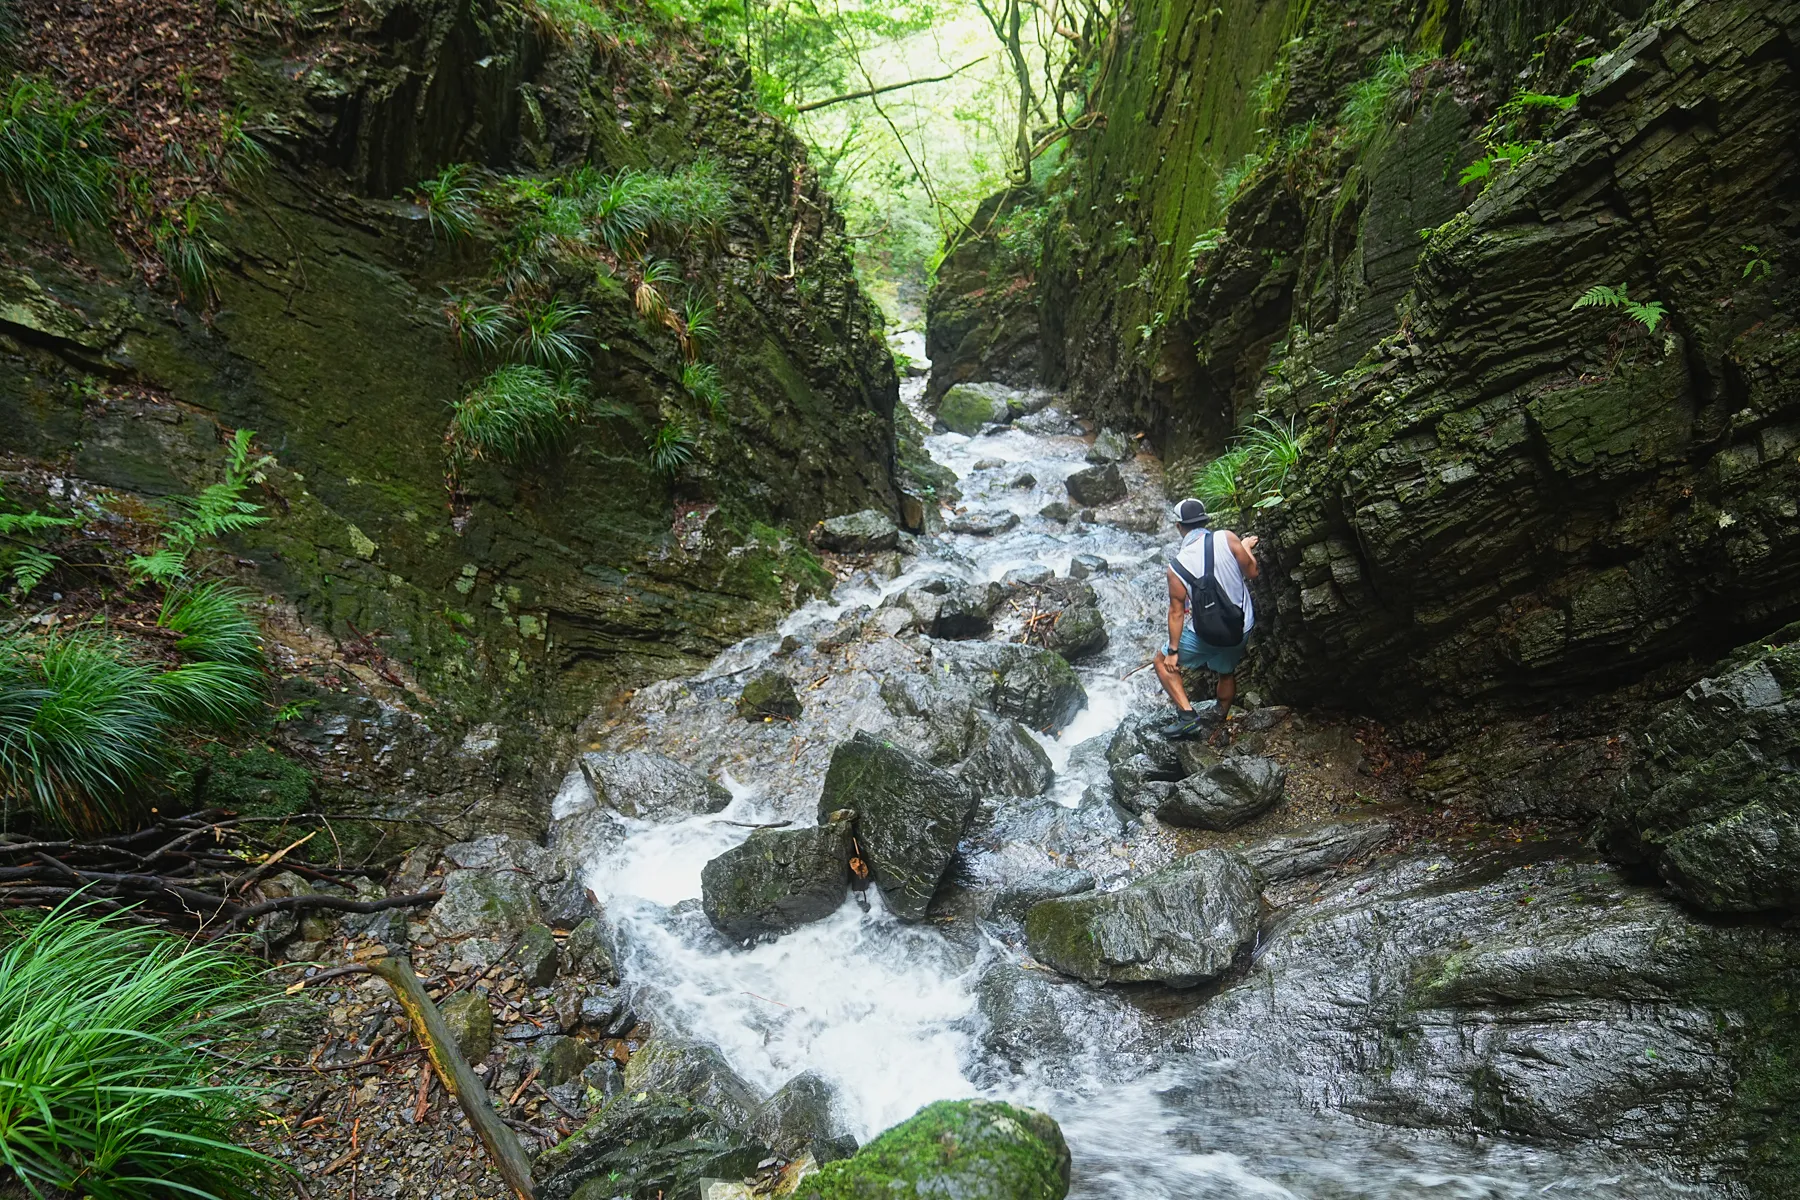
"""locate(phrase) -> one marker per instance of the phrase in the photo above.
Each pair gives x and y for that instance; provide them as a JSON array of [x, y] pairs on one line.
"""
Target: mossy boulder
[[488, 903], [1038, 687], [910, 816], [1713, 801], [1184, 925], [865, 532], [471, 1022], [966, 408], [769, 694], [645, 1145], [778, 879], [954, 1150]]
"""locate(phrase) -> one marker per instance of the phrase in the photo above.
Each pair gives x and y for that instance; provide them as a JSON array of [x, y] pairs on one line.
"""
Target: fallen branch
[[502, 1144], [339, 903], [885, 88]]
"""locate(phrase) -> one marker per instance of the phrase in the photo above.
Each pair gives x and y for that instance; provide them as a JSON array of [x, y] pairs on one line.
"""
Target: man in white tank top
[[1233, 565]]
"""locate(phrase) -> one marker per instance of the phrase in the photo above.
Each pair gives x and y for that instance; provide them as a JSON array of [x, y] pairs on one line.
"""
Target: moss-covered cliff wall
[[539, 585]]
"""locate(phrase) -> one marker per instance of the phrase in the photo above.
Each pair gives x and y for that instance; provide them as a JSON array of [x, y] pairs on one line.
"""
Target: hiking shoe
[[1186, 724]]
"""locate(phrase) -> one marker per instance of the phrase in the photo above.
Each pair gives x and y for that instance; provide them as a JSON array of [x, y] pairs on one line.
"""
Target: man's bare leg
[[1226, 692], [1168, 673]]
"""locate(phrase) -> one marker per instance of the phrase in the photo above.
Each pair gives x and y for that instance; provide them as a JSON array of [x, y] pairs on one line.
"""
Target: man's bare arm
[[1177, 608], [1244, 551]]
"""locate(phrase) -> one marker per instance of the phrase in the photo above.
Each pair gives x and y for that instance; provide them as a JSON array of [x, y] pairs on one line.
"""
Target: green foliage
[[1757, 267], [549, 334], [1524, 100], [1207, 243], [55, 156], [1221, 486], [223, 686], [1367, 103], [1648, 313], [240, 157], [1252, 471], [188, 248], [517, 412], [104, 1089], [218, 509], [672, 446], [573, 20], [480, 326], [22, 554], [696, 325], [1233, 180], [80, 727], [701, 381], [1506, 154], [1021, 236], [649, 293], [449, 201]]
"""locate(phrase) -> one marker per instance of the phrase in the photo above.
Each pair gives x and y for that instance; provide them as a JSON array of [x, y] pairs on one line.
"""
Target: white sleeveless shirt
[[1225, 566]]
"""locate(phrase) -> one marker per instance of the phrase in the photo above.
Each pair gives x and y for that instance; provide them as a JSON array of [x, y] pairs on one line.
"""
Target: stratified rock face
[[544, 585], [651, 787], [1226, 794], [1713, 802], [909, 817], [981, 321], [1183, 925], [862, 532], [954, 1150], [778, 879]]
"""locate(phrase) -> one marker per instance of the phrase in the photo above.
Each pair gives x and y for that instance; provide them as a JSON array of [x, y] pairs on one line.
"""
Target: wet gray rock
[[650, 786], [471, 1024], [800, 1119], [1139, 753], [560, 1059], [1052, 883], [588, 950], [984, 522], [1057, 511], [1009, 763], [862, 532], [1712, 801], [948, 608], [769, 694], [1037, 686], [1110, 446], [850, 627], [1026, 577], [1024, 479], [694, 1072], [936, 712], [499, 851], [1078, 632], [1183, 925], [1023, 1022], [566, 904], [1082, 566], [1146, 797], [602, 1008], [488, 903], [1225, 795], [536, 956], [645, 1147], [1092, 487], [967, 408], [910, 816], [1299, 855], [778, 879]]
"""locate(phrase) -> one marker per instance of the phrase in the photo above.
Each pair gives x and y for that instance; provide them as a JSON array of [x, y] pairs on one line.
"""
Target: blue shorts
[[1220, 659]]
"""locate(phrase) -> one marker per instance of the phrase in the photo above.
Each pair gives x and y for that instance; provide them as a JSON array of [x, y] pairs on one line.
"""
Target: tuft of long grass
[[1368, 100], [671, 447], [185, 240], [480, 326], [223, 686], [105, 1089], [80, 727], [55, 156], [1236, 177], [702, 382], [1221, 486], [449, 201], [1273, 448], [516, 412], [549, 333]]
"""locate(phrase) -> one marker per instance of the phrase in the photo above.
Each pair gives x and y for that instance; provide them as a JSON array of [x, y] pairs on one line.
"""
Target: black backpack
[[1216, 620]]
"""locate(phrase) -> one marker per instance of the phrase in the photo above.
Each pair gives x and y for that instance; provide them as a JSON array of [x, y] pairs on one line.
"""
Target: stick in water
[[502, 1143]]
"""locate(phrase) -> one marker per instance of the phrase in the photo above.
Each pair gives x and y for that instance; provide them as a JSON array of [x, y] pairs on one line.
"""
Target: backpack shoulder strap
[[1187, 576], [1208, 535]]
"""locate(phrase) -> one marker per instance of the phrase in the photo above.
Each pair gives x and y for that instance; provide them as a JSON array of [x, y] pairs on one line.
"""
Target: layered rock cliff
[[529, 587]]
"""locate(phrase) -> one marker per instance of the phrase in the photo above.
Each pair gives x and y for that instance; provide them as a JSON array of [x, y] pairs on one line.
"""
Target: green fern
[[1648, 313], [218, 509], [20, 554]]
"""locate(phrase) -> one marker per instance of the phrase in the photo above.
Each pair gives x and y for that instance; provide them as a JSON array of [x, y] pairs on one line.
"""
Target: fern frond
[[1648, 314], [1601, 296], [165, 566], [30, 565]]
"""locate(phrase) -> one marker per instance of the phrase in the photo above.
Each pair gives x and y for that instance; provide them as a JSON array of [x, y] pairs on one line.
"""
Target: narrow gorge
[[579, 582]]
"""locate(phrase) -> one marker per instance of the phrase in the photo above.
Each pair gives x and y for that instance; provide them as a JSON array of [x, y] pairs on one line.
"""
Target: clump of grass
[[481, 327], [1235, 177], [188, 248], [105, 1089], [80, 728], [672, 446], [223, 686], [1220, 485], [701, 381], [1252, 471], [1367, 103], [569, 20], [549, 334], [55, 156], [516, 412], [449, 201], [695, 327]]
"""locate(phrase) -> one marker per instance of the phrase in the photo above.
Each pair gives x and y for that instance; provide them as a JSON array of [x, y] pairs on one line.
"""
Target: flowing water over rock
[[1420, 1025]]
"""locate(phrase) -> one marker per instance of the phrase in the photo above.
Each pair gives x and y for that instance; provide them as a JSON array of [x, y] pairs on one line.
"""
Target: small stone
[[1236, 790], [1095, 486], [471, 1024], [1084, 565], [1110, 447], [1056, 511], [567, 904], [990, 464], [859, 533], [601, 1008], [984, 523], [769, 694], [588, 950], [560, 1059], [1024, 577], [1025, 480], [536, 956]]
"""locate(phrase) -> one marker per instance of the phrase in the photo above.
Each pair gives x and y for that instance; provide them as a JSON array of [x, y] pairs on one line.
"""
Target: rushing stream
[[1279, 1086]]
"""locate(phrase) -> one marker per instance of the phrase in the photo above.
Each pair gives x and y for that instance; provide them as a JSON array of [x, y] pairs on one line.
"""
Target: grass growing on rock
[[106, 1090], [516, 412], [55, 156]]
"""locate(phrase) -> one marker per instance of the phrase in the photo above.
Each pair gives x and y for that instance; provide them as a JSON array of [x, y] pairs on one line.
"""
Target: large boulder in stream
[[946, 607], [1183, 925], [695, 1073], [864, 532], [800, 1118], [1036, 686], [954, 1150], [910, 816], [1096, 486], [778, 879], [1225, 795], [646, 1144], [1713, 802], [1009, 763], [649, 786]]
